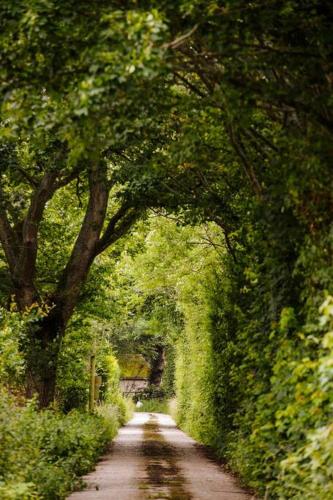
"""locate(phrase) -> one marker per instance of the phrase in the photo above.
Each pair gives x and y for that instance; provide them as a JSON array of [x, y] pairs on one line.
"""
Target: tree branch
[[71, 176], [31, 180], [84, 249], [118, 225], [248, 169], [189, 84], [181, 40], [25, 268], [225, 231]]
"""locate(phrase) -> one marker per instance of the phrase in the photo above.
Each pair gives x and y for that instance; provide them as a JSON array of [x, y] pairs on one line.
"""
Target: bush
[[12, 329], [44, 453], [271, 402], [307, 472], [121, 409]]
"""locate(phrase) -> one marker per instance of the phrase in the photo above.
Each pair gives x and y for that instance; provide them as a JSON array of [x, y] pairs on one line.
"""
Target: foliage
[[121, 408], [178, 153], [168, 376], [11, 360], [133, 366], [247, 379], [307, 471], [73, 368], [110, 391], [44, 453], [84, 338]]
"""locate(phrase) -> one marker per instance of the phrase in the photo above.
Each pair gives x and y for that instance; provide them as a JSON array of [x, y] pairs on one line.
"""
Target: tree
[[217, 112], [67, 112]]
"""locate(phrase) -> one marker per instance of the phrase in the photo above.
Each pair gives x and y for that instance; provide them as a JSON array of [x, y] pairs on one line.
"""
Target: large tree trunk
[[42, 354]]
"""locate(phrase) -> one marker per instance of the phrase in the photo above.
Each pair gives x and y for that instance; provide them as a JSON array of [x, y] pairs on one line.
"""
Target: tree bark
[[42, 360], [84, 250]]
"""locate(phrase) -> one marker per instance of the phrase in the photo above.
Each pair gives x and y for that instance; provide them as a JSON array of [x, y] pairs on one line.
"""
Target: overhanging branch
[[118, 225]]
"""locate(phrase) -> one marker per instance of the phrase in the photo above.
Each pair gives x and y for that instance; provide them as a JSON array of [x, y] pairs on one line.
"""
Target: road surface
[[152, 459]]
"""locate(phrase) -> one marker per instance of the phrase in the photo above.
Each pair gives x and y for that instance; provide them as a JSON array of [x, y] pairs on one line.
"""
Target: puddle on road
[[164, 479]]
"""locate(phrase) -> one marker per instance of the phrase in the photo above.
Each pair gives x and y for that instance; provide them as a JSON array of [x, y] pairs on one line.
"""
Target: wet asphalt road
[[152, 459]]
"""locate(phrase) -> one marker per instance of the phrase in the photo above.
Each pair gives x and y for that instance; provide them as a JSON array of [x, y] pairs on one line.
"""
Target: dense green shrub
[[44, 453], [73, 366], [12, 337], [194, 368], [306, 473], [110, 394], [269, 404], [168, 377], [83, 338]]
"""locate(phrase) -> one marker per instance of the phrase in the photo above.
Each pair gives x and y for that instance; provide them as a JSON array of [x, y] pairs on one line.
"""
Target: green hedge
[[262, 400], [43, 454]]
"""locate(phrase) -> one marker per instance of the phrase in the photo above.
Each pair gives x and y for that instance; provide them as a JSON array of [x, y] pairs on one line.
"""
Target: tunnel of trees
[[166, 190]]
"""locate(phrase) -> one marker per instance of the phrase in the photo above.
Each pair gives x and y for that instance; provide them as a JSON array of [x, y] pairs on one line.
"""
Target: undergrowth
[[44, 453]]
